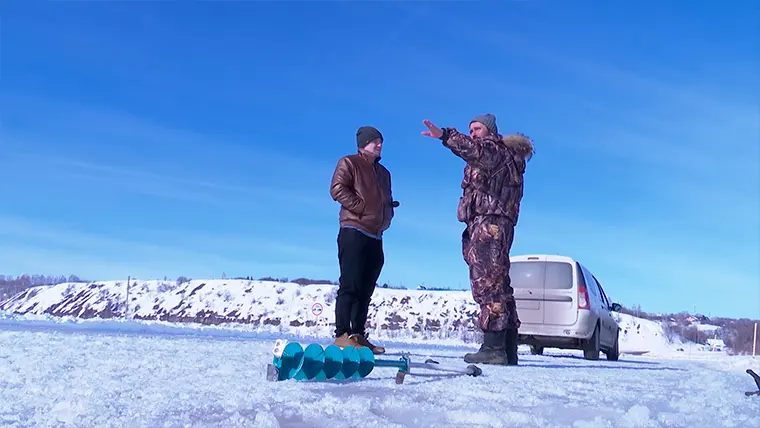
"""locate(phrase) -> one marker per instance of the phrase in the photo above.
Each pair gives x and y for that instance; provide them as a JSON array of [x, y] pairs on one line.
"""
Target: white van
[[562, 305]]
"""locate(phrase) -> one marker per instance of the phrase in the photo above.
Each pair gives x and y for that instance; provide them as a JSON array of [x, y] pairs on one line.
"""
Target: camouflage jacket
[[493, 176]]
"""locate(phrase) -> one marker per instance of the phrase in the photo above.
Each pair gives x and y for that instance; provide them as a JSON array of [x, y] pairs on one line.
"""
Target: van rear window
[[536, 275]]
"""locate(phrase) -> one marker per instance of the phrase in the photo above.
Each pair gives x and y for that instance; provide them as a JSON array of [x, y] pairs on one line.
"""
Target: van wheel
[[614, 353], [537, 350], [591, 350]]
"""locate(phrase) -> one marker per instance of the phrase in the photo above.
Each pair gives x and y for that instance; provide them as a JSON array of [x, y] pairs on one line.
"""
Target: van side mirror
[[616, 307]]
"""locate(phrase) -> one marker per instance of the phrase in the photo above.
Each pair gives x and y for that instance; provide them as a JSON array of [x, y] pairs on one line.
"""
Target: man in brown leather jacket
[[362, 186], [489, 206]]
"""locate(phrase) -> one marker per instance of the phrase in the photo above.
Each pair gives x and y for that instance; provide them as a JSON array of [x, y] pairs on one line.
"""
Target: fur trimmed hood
[[521, 143]]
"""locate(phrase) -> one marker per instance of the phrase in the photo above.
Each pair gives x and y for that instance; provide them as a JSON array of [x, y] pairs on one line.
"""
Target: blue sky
[[161, 139]]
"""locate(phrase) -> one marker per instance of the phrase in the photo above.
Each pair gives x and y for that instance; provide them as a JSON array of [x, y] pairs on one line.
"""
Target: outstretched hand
[[434, 131]]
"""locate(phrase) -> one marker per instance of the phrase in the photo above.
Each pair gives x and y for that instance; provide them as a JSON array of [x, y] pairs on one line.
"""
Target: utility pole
[[696, 327], [126, 311], [691, 324]]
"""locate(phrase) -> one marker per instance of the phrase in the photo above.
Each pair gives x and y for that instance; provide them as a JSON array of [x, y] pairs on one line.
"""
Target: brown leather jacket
[[493, 176], [362, 186]]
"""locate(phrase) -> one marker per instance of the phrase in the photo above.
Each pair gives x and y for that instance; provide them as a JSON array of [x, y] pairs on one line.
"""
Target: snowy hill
[[639, 335], [265, 305], [287, 308]]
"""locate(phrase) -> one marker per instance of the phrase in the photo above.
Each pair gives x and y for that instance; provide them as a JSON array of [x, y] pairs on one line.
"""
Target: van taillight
[[582, 297]]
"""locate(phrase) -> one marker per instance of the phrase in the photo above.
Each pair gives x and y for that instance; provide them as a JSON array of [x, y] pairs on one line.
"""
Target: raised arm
[[342, 187], [485, 153]]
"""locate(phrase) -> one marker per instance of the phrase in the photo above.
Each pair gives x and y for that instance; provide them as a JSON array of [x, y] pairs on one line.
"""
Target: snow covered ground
[[54, 374]]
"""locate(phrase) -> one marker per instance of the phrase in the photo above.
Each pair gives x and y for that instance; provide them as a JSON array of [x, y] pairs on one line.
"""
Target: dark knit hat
[[489, 121], [365, 134]]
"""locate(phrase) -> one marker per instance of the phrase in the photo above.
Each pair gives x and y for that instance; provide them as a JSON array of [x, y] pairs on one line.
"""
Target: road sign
[[316, 309]]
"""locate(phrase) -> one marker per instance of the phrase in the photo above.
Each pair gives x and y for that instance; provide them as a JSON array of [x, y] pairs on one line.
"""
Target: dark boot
[[511, 346], [492, 351]]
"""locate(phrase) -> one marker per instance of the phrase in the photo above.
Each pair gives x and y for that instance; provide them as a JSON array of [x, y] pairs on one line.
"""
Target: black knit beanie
[[365, 134], [489, 121]]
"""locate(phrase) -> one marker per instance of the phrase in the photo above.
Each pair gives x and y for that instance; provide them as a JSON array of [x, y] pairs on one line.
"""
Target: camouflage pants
[[486, 243]]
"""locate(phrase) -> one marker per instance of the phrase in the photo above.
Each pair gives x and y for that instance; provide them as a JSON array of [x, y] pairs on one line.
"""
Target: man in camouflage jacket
[[490, 205]]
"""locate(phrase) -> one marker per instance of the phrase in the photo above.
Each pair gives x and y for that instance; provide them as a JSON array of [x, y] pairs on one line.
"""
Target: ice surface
[[78, 377]]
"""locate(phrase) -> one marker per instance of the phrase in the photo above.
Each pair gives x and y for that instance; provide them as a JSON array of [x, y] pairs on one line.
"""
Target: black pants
[[361, 259]]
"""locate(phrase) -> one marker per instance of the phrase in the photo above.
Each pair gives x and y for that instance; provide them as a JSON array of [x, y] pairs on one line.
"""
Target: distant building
[[716, 345]]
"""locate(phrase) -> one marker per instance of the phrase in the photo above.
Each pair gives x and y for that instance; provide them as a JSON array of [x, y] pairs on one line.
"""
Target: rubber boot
[[511, 346], [492, 351]]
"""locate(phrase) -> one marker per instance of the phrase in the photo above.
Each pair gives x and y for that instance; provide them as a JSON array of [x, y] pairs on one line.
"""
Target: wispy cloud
[[30, 121], [21, 258], [301, 246], [176, 187], [40, 246]]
